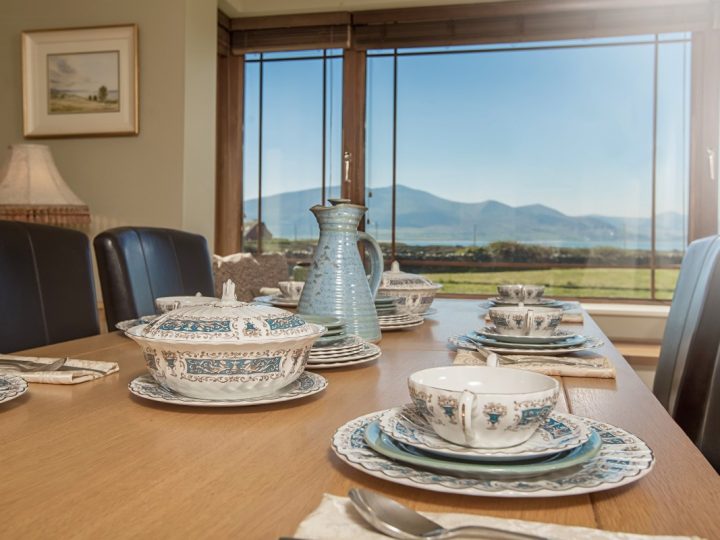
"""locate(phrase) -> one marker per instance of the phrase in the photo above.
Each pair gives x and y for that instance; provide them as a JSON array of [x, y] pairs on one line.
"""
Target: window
[[563, 163], [292, 130]]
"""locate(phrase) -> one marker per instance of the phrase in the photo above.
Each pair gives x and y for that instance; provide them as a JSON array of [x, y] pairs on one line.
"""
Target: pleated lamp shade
[[31, 189]]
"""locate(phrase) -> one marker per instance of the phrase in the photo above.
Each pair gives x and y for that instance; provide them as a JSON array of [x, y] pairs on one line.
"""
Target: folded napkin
[[100, 369], [235, 257], [336, 519], [592, 364]]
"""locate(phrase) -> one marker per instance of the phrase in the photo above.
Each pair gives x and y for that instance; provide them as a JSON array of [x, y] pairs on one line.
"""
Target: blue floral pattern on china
[[187, 325], [623, 458], [284, 323], [233, 366]]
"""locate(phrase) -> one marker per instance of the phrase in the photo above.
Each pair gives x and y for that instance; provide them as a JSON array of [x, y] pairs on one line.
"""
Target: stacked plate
[[391, 317], [568, 455], [561, 342], [336, 348], [277, 300]]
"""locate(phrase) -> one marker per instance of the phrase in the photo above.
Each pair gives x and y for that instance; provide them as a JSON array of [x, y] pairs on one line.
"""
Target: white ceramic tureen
[[415, 293], [226, 350]]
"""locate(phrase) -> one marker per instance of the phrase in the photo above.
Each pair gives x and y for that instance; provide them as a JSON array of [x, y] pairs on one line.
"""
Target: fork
[[29, 367]]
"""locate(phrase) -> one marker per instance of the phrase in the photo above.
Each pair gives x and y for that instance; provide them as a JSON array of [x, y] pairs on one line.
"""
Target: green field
[[568, 282]]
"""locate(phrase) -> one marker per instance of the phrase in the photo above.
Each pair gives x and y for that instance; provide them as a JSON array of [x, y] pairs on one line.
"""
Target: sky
[[84, 72], [567, 128]]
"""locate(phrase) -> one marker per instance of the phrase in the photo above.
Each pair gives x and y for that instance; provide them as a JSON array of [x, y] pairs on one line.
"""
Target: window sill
[[653, 311]]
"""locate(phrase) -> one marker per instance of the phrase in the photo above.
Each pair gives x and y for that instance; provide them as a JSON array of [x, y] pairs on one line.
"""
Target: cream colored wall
[[148, 179]]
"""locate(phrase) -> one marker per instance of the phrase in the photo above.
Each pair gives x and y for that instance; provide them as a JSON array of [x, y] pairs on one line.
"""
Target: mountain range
[[427, 218]]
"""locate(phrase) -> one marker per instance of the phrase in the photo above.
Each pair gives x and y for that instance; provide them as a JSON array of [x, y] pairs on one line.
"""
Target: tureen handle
[[228, 292]]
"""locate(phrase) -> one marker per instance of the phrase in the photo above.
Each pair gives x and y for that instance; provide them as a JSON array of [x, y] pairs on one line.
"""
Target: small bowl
[[528, 294], [413, 293], [291, 289], [170, 303], [525, 321], [483, 407]]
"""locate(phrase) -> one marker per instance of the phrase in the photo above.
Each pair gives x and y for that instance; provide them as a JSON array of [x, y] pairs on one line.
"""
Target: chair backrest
[[706, 435], [686, 332], [138, 264], [46, 279]]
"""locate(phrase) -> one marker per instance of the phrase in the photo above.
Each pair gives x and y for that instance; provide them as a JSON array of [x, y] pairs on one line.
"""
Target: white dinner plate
[[333, 365], [623, 459], [369, 349], [591, 343], [307, 384]]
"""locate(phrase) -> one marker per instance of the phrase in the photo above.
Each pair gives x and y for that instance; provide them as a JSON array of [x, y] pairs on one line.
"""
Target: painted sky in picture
[[83, 82]]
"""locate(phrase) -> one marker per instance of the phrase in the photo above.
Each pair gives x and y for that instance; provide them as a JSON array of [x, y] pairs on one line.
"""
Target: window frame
[[494, 22]]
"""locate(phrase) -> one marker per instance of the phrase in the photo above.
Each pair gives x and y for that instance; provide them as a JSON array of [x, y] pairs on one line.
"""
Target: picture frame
[[80, 82]]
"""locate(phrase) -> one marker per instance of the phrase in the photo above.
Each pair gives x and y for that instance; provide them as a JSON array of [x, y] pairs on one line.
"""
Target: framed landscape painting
[[80, 82]]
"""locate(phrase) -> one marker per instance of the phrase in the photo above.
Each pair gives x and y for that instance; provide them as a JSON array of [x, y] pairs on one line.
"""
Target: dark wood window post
[[704, 133], [229, 146], [353, 126]]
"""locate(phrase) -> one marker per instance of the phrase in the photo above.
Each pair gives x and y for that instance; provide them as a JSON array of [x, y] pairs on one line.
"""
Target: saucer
[[559, 335], [307, 384], [11, 387], [623, 459], [559, 433], [387, 446]]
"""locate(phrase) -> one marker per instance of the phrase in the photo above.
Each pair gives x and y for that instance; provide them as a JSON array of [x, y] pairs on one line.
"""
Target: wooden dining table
[[93, 461]]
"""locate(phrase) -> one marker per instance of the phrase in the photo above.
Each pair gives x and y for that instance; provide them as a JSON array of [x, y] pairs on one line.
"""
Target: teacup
[[291, 289], [483, 407], [169, 303], [529, 294], [525, 321]]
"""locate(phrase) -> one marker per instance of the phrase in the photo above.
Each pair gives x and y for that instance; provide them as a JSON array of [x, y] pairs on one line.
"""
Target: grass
[[567, 282], [76, 104]]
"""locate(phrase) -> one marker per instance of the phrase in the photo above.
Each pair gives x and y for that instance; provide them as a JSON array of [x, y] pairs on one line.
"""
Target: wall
[[164, 176]]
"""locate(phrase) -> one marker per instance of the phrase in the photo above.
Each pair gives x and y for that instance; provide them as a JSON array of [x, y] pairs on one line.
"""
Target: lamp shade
[[31, 189]]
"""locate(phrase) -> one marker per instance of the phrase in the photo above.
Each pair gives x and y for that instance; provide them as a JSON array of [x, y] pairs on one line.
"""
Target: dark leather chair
[[707, 438], [687, 381], [138, 264], [48, 292], [689, 303]]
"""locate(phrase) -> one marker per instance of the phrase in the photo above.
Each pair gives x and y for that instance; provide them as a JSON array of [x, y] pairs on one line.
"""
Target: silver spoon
[[393, 519]]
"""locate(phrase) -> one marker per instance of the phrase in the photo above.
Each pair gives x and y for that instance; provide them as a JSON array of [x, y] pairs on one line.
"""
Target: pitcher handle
[[376, 261]]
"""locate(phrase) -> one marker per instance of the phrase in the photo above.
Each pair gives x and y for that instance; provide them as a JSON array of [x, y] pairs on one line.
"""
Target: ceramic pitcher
[[336, 284]]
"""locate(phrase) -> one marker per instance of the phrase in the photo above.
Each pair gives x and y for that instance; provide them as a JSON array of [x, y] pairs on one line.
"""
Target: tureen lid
[[395, 279], [227, 320]]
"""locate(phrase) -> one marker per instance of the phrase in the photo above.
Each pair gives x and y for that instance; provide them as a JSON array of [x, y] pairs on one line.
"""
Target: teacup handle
[[467, 400], [528, 321], [492, 360]]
